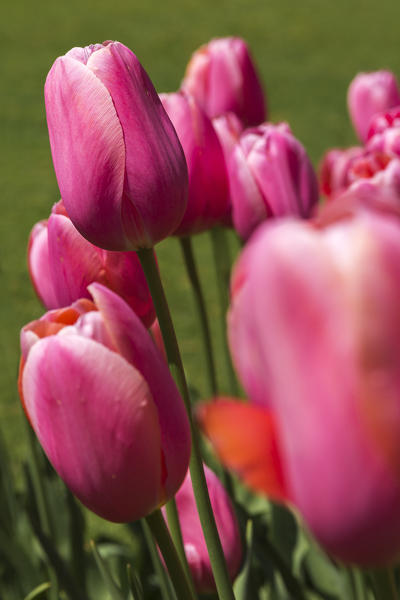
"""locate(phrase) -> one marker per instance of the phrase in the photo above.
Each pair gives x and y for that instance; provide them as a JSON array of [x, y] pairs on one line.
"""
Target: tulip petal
[[88, 150], [74, 262], [135, 344], [95, 418], [39, 265], [155, 165], [245, 439]]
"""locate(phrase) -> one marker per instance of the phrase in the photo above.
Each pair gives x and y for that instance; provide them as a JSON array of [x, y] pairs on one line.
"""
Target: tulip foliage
[[291, 491]]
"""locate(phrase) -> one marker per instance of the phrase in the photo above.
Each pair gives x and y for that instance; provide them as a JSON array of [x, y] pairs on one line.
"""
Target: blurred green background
[[307, 52]]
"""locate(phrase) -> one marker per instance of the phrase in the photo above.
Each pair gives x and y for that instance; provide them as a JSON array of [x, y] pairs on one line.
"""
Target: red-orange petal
[[245, 438]]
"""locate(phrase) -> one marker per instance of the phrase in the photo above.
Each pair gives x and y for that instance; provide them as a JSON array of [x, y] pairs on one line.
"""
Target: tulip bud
[[317, 309], [369, 94], [62, 264], [208, 200], [270, 175], [192, 533], [222, 77], [119, 164], [104, 406]]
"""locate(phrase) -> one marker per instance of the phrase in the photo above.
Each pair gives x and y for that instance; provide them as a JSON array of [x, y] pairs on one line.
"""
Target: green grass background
[[307, 52]]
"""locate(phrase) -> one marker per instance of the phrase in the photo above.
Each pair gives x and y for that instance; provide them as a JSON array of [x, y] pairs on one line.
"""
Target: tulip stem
[[384, 584], [179, 577], [167, 592], [176, 534], [217, 558], [192, 272], [222, 261]]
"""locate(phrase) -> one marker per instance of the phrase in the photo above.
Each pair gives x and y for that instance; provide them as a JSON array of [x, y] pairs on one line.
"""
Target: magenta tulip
[[369, 94], [208, 199], [315, 331], [308, 304], [222, 77], [103, 404], [119, 164], [192, 533], [62, 264], [270, 175]]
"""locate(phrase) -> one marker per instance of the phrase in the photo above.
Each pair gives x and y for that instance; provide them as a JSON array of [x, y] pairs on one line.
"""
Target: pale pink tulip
[[380, 187], [270, 175], [369, 94], [62, 264], [318, 314], [192, 533], [119, 164], [222, 77], [103, 404], [208, 198]]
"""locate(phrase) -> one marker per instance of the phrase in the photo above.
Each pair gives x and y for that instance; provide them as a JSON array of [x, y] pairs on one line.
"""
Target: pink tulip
[[222, 77], [228, 128], [193, 537], [381, 186], [270, 176], [102, 402], [386, 142], [318, 313], [208, 201], [383, 121], [119, 164], [62, 264], [334, 169], [369, 94]]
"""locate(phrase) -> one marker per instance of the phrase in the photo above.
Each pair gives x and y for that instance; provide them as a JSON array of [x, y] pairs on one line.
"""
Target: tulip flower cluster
[[371, 170], [313, 323]]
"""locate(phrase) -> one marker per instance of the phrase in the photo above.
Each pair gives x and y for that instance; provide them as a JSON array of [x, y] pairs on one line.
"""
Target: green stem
[[358, 584], [175, 568], [384, 584], [176, 534], [200, 489], [41, 502], [191, 269], [222, 263], [165, 584]]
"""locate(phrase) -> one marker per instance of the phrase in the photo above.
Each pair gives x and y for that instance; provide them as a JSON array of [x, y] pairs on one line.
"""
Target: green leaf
[[43, 587], [242, 587], [112, 587]]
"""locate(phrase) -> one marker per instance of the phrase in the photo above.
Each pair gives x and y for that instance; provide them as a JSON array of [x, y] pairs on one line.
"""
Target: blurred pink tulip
[[102, 402], [317, 309], [334, 169], [62, 264], [192, 533], [270, 175], [369, 94], [208, 200], [386, 142], [222, 77], [378, 187], [228, 128], [119, 164], [384, 120]]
